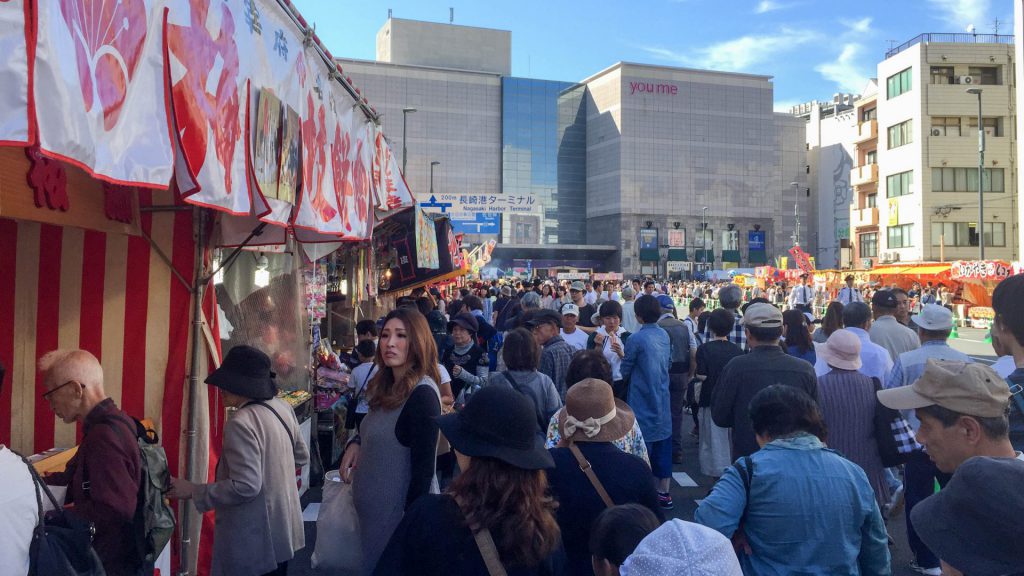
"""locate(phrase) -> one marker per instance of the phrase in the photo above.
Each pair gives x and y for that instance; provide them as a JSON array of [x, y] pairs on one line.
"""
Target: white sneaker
[[925, 571]]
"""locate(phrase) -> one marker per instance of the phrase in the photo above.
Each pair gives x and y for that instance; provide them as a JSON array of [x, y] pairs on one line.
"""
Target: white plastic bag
[[338, 546]]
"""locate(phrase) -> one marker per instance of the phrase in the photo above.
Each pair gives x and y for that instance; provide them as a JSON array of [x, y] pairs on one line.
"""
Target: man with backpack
[[104, 476], [684, 350]]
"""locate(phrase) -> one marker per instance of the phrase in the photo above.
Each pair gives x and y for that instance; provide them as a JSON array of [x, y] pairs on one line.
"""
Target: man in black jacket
[[744, 376]]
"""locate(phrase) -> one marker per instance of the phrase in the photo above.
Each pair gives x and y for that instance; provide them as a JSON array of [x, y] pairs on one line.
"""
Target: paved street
[[690, 485]]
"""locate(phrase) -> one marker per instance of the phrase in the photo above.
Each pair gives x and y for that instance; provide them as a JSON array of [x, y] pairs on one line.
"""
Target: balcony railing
[[866, 174], [964, 38], [864, 217], [866, 131]]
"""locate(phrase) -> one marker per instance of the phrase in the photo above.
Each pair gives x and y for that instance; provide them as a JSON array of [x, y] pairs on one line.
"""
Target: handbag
[[62, 540], [893, 434], [342, 551]]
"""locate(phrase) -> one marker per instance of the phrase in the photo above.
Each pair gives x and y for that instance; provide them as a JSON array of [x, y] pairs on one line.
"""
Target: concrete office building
[[831, 131], [927, 152], [633, 144], [864, 179]]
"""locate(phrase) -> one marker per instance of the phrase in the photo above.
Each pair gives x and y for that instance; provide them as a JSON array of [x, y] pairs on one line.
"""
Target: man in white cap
[[934, 325], [570, 332], [629, 321]]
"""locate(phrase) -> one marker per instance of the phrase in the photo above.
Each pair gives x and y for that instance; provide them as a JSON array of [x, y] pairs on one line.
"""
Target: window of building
[[868, 114], [943, 75], [992, 126], [872, 201], [945, 125], [899, 184], [898, 83], [966, 234], [871, 157], [966, 180], [900, 236], [868, 245], [900, 134], [987, 74], [730, 240]]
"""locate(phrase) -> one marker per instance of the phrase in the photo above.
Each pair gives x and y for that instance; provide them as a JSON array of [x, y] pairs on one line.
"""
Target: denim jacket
[[648, 357], [810, 511]]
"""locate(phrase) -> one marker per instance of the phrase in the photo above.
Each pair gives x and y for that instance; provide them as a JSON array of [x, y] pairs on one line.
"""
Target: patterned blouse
[[631, 443]]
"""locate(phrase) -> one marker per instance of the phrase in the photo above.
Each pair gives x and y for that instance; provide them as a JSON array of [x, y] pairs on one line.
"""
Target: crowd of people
[[532, 428]]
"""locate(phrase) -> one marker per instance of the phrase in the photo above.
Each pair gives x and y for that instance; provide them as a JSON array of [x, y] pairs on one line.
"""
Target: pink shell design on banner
[[108, 37], [314, 142]]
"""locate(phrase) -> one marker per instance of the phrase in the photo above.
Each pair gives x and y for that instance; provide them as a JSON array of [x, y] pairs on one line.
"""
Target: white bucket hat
[[682, 549]]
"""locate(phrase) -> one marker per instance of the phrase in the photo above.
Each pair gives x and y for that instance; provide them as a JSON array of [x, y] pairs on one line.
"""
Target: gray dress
[[847, 400], [381, 480]]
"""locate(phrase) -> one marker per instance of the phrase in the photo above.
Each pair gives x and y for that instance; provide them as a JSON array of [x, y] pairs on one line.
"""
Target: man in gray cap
[[934, 325], [578, 293], [744, 376], [556, 353], [730, 297]]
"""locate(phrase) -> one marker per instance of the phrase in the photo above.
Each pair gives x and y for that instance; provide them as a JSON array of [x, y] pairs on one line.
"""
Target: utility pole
[[405, 114], [981, 174], [796, 212]]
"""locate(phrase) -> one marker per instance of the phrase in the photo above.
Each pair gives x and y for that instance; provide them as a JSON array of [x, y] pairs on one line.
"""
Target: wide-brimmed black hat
[[466, 320], [246, 372], [498, 423]]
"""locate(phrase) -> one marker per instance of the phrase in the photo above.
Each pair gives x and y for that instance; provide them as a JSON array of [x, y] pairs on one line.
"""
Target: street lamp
[[405, 114], [432, 164], [981, 174], [796, 212], [704, 237]]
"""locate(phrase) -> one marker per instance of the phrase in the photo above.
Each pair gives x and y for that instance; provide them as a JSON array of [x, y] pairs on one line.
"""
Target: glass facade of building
[[543, 155]]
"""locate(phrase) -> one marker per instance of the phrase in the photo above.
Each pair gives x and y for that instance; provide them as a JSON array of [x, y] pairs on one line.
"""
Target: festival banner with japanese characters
[[209, 83], [392, 191], [426, 242], [13, 73], [354, 204], [100, 88], [980, 270], [361, 165]]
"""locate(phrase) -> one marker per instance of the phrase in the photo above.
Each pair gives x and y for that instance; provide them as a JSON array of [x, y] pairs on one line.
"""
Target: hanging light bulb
[[262, 275]]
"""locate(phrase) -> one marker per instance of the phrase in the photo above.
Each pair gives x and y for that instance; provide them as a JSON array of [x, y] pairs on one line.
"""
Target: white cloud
[[960, 13], [862, 26], [846, 71], [738, 54], [765, 6]]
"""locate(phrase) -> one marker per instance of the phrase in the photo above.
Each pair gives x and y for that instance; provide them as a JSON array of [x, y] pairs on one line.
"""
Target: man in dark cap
[[886, 331], [849, 294], [556, 353]]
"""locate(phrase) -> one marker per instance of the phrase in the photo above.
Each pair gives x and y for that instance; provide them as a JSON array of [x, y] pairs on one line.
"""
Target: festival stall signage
[[392, 191], [426, 241], [99, 88], [14, 117], [980, 270], [802, 259]]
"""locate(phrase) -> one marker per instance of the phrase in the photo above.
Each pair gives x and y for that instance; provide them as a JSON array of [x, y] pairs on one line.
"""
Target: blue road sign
[[482, 224]]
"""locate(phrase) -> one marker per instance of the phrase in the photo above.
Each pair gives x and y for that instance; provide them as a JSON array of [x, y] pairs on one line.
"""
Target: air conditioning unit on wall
[[969, 80], [936, 132]]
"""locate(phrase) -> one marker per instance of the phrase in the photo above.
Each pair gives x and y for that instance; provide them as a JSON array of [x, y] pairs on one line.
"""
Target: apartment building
[[916, 173]]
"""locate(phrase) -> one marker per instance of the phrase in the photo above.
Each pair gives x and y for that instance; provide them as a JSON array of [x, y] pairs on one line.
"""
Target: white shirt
[[590, 297], [875, 360], [578, 338], [358, 381], [801, 295], [614, 359], [1004, 366], [18, 513], [849, 295]]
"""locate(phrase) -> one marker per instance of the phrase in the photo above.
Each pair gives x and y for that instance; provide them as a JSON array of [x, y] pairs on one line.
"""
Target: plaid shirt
[[737, 336], [554, 361]]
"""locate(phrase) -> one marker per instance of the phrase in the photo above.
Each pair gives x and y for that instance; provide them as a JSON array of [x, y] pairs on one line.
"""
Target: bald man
[[103, 477]]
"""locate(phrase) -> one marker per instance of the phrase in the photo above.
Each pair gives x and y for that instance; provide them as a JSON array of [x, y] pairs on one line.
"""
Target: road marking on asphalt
[[684, 480], [312, 512]]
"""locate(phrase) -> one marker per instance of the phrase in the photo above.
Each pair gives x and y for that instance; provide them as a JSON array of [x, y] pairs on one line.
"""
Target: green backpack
[[154, 520]]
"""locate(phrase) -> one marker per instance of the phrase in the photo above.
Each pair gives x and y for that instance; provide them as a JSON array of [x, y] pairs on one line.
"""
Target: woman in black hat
[[462, 357], [498, 510], [259, 518]]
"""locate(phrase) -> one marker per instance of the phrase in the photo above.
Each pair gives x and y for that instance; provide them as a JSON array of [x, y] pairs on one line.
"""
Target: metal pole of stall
[[198, 282]]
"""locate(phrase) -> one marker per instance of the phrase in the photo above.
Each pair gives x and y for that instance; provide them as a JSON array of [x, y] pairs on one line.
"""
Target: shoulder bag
[[587, 469], [893, 434], [485, 543], [62, 540]]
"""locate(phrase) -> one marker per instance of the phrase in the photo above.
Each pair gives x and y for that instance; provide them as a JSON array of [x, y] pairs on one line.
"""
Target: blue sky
[[813, 48]]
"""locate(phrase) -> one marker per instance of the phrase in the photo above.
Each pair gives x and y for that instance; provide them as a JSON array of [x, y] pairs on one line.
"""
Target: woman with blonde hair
[[391, 461]]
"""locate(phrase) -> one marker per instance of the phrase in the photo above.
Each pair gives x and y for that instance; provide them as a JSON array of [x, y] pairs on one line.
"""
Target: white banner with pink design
[[100, 88], [392, 191], [14, 116]]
